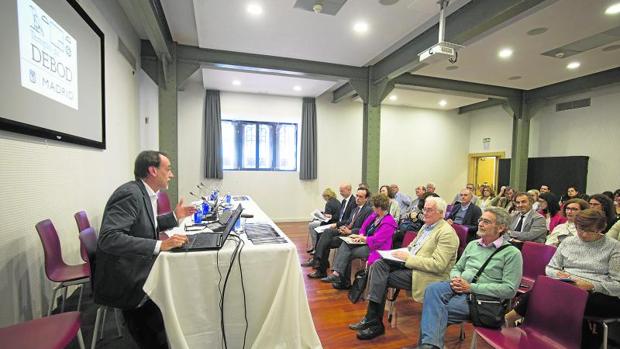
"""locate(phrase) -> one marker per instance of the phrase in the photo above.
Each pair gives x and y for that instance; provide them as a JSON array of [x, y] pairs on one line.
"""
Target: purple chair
[[163, 203], [81, 218], [461, 232], [536, 256], [448, 211], [52, 332], [549, 323], [88, 238], [55, 267]]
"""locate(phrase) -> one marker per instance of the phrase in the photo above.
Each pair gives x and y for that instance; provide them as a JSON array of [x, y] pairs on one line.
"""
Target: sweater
[[381, 239], [596, 261], [500, 278]]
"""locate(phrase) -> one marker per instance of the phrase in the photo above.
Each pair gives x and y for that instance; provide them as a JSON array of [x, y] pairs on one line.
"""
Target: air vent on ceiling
[[324, 7], [585, 44], [580, 103]]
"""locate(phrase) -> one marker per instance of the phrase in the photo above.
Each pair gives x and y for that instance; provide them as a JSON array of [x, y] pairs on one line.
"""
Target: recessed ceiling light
[[254, 9], [443, 103], [452, 67], [393, 97], [360, 27], [573, 65], [537, 31], [297, 88], [505, 53], [236, 82], [613, 9]]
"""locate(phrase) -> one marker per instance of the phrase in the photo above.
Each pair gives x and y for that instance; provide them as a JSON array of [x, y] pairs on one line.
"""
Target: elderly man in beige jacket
[[428, 258]]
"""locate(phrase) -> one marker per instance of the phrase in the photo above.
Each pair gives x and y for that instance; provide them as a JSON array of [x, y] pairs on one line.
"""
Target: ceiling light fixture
[[254, 9], [297, 88], [573, 65], [236, 82], [505, 53], [613, 9], [393, 97], [360, 27], [443, 103]]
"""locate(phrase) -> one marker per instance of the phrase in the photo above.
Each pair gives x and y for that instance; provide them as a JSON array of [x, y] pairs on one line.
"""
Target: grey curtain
[[308, 156], [213, 135]]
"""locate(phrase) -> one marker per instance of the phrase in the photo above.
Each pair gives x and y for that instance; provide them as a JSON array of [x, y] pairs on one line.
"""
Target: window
[[259, 146]]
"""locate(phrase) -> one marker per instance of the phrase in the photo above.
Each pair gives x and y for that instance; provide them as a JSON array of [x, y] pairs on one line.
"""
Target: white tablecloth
[[185, 287]]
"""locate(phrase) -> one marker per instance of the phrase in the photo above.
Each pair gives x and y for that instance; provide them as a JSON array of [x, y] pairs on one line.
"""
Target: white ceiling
[[285, 31], [429, 100]]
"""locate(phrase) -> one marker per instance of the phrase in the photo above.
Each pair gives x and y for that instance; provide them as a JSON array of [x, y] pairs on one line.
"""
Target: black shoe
[[310, 250], [310, 262], [363, 324], [331, 278], [341, 284], [317, 275], [373, 331]]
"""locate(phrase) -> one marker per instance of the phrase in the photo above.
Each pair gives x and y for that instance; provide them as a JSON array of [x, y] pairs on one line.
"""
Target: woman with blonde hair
[[331, 211]]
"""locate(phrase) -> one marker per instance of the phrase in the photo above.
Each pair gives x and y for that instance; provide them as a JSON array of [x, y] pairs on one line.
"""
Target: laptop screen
[[231, 221]]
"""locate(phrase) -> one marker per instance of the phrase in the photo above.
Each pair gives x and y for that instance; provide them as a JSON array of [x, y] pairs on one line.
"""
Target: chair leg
[[49, 309], [474, 339], [80, 297], [64, 299], [96, 329], [118, 324], [80, 339], [105, 312], [605, 333], [462, 333]]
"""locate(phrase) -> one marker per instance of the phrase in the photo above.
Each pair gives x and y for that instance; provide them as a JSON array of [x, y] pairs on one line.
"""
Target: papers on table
[[316, 214], [350, 241], [321, 228], [387, 254]]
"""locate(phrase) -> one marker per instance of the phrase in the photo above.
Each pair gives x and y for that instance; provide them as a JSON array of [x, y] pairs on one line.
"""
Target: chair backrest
[[536, 256], [51, 248], [461, 232], [409, 236], [88, 240], [81, 218], [448, 211], [163, 203], [555, 310]]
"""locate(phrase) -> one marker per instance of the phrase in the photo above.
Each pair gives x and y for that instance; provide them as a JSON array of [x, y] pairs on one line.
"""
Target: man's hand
[[358, 238], [344, 230], [402, 255], [459, 285], [183, 211], [174, 241], [450, 221], [563, 275]]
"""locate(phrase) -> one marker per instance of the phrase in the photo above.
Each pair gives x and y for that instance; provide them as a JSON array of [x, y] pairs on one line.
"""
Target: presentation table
[[185, 287]]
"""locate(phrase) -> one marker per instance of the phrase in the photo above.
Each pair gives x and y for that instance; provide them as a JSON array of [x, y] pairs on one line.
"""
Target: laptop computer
[[210, 241], [221, 222]]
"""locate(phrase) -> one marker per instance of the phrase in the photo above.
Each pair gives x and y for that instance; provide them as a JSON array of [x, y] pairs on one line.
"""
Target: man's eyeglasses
[[485, 221]]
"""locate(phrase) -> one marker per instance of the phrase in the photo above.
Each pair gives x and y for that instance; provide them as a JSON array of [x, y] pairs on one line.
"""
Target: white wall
[[280, 194], [591, 131], [494, 123], [44, 179], [149, 112], [423, 145]]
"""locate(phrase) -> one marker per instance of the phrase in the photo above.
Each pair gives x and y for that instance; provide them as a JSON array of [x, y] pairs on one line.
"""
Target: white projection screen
[[52, 66]]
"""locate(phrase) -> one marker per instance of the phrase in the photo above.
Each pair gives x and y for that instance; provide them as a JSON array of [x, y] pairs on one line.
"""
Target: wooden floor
[[332, 311]]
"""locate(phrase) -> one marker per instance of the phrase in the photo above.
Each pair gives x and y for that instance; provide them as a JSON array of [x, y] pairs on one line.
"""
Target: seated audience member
[[504, 199], [486, 197], [535, 194], [466, 213], [446, 302], [605, 205], [544, 189], [413, 221], [332, 208], [430, 187], [394, 207], [420, 190], [470, 186], [430, 257], [376, 234], [527, 224], [592, 261], [564, 230], [617, 203], [362, 185], [572, 193], [403, 200], [609, 194], [614, 231], [549, 208], [330, 237], [344, 212]]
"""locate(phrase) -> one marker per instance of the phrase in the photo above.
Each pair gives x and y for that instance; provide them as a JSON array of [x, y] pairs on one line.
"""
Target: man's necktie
[[520, 223]]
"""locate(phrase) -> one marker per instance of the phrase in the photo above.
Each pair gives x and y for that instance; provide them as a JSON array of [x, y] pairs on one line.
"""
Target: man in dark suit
[[128, 245], [329, 239], [466, 213]]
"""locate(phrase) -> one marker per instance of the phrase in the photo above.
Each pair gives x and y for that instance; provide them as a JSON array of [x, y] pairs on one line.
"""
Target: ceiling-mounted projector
[[440, 51]]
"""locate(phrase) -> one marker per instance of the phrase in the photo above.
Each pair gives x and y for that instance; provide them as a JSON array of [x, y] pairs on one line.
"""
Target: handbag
[[359, 286], [487, 311]]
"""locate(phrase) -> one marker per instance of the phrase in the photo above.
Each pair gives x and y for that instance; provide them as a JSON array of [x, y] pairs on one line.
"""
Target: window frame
[[238, 126]]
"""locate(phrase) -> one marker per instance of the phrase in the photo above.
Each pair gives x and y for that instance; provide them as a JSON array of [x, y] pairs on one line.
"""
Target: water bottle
[[205, 208], [198, 216], [228, 197], [238, 224]]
